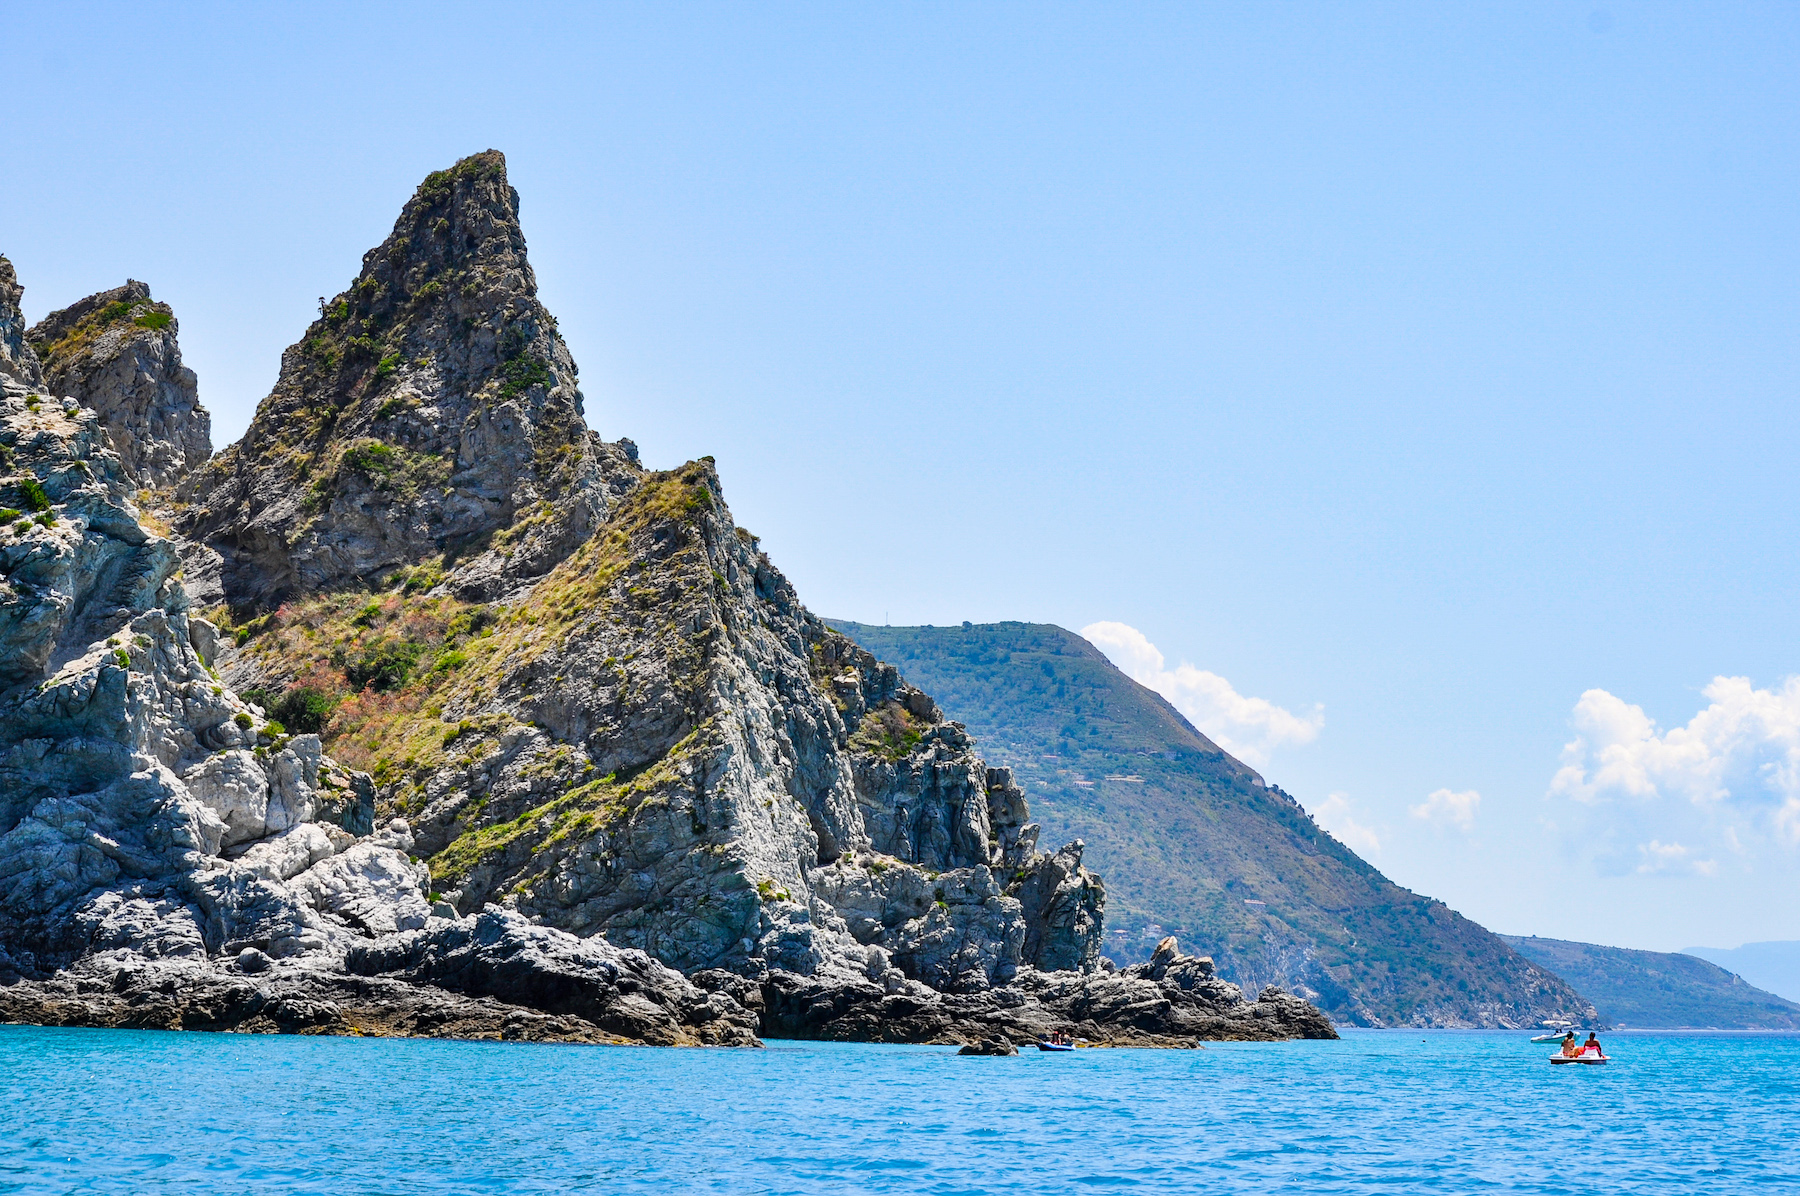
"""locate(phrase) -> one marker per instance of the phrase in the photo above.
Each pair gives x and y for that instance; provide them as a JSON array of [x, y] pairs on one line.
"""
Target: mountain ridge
[[1198, 844], [1660, 990], [1773, 965]]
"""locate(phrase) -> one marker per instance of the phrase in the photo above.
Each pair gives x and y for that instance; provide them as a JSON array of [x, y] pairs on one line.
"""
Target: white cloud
[[1249, 728], [1673, 857], [1334, 815], [1445, 807], [1723, 787], [1740, 755]]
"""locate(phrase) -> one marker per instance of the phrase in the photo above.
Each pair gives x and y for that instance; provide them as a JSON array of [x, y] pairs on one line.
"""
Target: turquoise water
[[105, 1111]]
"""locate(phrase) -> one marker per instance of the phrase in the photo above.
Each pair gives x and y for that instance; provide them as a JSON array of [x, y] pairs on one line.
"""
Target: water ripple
[[115, 1112]]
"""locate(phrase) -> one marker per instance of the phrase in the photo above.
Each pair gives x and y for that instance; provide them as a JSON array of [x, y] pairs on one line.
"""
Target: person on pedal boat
[[1591, 1045], [1569, 1049]]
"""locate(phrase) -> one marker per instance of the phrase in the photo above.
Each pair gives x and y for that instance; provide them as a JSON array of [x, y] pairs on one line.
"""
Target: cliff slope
[[1195, 843], [18, 361]]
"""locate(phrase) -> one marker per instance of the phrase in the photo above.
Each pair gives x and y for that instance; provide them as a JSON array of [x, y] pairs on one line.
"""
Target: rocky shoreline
[[497, 977]]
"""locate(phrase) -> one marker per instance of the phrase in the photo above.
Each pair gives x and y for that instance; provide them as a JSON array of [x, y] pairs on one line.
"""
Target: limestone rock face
[[661, 745], [658, 746], [162, 841], [431, 406], [1064, 906], [17, 359], [75, 565], [116, 353], [126, 769]]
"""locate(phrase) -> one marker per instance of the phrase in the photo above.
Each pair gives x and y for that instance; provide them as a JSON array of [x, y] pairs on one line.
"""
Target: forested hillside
[[1661, 991], [1193, 843]]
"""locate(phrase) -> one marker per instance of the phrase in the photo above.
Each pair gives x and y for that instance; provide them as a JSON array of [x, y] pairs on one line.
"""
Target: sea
[[111, 1111]]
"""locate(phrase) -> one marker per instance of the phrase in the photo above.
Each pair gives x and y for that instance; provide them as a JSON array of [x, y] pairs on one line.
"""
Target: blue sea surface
[[112, 1111]]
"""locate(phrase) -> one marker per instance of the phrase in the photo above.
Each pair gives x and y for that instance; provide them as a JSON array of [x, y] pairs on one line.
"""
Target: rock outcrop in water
[[488, 716], [116, 353], [1171, 1001]]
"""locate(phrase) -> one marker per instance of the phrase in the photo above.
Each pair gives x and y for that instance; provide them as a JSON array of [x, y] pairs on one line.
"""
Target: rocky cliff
[[18, 360], [468, 631], [169, 856], [116, 354]]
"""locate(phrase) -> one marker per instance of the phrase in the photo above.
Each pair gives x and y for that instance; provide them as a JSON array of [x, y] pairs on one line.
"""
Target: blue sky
[[1414, 370]]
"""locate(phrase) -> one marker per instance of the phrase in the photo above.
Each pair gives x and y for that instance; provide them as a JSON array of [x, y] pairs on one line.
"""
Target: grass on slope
[[382, 675], [144, 313], [1191, 842], [1655, 990]]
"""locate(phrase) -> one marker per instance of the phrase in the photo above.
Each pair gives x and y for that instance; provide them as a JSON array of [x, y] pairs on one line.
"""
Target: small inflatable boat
[[1055, 1046], [1556, 1037], [1590, 1060]]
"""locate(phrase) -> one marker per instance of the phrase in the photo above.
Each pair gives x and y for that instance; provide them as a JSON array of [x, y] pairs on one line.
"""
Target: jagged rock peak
[[17, 361], [117, 353], [431, 405]]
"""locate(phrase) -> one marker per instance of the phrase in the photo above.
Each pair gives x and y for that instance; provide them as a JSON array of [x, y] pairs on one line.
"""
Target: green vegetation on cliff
[[1661, 991], [69, 340], [374, 672], [386, 677], [1193, 843]]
